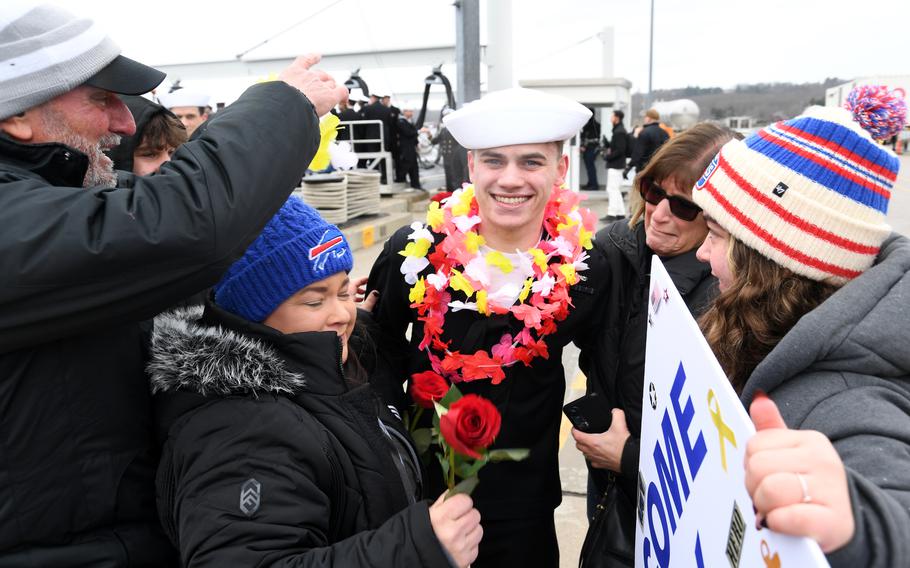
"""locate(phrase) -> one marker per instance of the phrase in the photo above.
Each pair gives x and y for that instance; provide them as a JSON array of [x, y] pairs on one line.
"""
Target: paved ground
[[571, 523]]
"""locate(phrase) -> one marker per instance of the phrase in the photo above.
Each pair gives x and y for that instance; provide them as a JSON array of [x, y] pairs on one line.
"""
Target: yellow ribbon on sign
[[770, 561], [723, 431]]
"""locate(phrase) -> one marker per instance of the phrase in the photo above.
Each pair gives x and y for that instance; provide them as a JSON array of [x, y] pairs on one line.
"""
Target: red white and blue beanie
[[810, 193], [295, 249]]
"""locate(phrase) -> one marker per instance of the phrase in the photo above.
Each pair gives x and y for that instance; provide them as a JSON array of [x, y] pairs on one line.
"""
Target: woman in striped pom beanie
[[814, 312]]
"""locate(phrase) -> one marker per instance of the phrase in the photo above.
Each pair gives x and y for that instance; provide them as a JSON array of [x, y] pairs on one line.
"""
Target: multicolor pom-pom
[[881, 112]]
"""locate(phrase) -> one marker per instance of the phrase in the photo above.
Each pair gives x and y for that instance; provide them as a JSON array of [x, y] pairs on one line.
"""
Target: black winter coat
[[649, 140], [407, 139], [615, 156], [377, 111], [271, 457], [616, 368], [79, 269], [530, 398]]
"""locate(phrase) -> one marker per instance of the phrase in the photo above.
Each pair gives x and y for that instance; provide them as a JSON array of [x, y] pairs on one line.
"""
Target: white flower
[[437, 280], [562, 247], [465, 223], [342, 156], [504, 297], [419, 231], [544, 286], [525, 263], [478, 270], [412, 266], [580, 263], [458, 305]]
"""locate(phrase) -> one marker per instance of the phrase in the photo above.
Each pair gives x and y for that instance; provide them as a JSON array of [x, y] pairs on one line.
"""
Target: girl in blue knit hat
[[277, 448]]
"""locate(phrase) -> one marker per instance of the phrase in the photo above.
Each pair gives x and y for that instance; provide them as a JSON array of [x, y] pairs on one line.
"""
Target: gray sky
[[697, 42]]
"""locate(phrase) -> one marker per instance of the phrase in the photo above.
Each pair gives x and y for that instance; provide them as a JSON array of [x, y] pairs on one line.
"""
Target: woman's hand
[[797, 480], [358, 289], [604, 450], [457, 526]]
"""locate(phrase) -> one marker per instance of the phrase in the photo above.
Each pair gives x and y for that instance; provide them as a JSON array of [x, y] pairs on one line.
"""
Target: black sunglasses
[[679, 206]]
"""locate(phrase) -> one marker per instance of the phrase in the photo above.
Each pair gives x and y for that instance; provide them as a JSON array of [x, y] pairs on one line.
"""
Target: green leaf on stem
[[422, 439], [444, 462], [469, 468], [465, 486], [508, 455], [450, 397]]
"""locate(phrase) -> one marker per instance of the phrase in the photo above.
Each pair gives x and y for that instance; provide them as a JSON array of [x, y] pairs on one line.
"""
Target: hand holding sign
[[796, 480]]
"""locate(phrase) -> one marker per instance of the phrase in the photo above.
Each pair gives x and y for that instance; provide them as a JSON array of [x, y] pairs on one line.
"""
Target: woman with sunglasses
[[813, 310], [666, 223]]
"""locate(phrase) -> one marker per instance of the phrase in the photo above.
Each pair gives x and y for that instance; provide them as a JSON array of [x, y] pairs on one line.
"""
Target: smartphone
[[590, 413]]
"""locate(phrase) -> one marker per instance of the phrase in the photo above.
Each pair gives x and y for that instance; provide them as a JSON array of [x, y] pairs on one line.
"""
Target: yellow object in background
[[328, 130]]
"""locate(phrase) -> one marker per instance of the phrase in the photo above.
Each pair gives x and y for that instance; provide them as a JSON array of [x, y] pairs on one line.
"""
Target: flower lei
[[459, 265]]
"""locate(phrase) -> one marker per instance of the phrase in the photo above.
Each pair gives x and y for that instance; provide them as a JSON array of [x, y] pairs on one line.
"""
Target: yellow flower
[[524, 291], [458, 282], [540, 259], [463, 207], [473, 242], [435, 216], [584, 238], [496, 258], [417, 292], [482, 306], [418, 248], [568, 270], [570, 222], [327, 132]]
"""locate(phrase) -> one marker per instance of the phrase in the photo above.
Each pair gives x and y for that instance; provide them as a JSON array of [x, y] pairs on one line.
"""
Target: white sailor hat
[[184, 98], [516, 116]]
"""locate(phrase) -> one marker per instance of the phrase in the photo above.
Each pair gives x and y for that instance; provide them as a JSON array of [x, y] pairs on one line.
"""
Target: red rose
[[427, 387], [471, 423]]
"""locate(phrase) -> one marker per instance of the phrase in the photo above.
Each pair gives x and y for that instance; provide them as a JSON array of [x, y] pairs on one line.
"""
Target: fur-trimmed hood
[[189, 355]]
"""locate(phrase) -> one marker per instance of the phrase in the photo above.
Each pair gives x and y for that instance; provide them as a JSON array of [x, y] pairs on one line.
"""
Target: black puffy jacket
[[79, 270], [272, 458]]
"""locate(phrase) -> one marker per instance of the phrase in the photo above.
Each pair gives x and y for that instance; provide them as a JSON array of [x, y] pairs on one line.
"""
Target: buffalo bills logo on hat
[[703, 180], [328, 247]]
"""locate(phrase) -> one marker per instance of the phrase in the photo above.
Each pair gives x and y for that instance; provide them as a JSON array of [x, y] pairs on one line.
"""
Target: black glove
[[625, 172]]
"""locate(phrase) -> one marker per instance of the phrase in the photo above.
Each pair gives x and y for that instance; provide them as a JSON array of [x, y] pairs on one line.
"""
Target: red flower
[[427, 387], [472, 423], [481, 366]]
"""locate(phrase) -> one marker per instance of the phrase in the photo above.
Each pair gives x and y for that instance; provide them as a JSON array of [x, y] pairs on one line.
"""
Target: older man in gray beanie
[[83, 263]]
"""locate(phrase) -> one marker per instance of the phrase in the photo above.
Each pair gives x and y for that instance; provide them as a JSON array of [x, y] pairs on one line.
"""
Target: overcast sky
[[696, 42]]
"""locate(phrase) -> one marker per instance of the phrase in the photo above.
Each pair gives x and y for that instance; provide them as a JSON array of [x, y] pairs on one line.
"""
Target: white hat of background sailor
[[516, 116], [184, 98]]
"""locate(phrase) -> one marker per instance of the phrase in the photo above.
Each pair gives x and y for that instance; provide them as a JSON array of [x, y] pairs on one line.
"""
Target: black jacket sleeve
[[73, 260], [392, 313], [230, 441]]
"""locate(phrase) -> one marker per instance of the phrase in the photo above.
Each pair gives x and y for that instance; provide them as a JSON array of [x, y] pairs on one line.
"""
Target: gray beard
[[100, 171]]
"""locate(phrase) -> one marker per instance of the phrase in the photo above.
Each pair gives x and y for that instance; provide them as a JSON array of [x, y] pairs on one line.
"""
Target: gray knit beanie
[[45, 51]]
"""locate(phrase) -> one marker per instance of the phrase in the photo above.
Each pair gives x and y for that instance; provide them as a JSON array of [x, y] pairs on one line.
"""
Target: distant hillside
[[766, 102]]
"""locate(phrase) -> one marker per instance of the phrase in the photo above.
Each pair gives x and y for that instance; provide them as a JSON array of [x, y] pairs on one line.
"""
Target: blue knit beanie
[[296, 248]]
